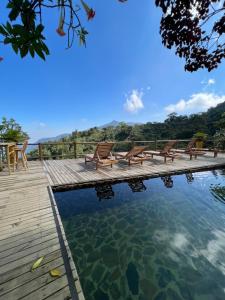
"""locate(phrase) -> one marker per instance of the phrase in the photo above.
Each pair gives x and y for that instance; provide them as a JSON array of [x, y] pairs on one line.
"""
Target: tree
[[196, 28], [24, 30], [12, 131]]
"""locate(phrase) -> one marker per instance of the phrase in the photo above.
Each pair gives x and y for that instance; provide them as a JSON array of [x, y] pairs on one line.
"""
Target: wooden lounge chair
[[102, 156], [165, 152], [190, 150], [22, 153], [214, 150], [134, 156]]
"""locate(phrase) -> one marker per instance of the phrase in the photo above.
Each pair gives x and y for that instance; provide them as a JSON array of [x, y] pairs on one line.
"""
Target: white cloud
[[197, 103], [214, 251], [41, 124], [179, 241], [208, 82], [211, 81], [84, 120], [134, 101]]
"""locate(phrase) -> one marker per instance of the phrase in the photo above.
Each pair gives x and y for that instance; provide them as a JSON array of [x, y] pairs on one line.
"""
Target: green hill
[[174, 127]]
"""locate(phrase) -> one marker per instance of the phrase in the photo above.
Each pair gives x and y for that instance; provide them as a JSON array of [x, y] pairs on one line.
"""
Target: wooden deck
[[70, 173], [31, 226]]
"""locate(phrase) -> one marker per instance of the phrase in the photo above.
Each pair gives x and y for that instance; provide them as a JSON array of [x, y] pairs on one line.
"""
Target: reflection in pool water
[[156, 244]]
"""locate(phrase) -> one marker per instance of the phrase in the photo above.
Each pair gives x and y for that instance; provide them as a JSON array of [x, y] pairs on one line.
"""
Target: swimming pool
[[160, 238]]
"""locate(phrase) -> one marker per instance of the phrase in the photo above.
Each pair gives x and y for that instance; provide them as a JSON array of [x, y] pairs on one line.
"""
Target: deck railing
[[76, 149]]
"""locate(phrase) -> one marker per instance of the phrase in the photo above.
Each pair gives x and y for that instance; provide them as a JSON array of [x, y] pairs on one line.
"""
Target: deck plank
[[28, 231], [30, 222], [74, 172]]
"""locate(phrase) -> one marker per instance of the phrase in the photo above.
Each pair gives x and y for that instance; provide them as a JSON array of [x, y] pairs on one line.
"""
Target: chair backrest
[[103, 150], [24, 148], [191, 145], [168, 146], [135, 151]]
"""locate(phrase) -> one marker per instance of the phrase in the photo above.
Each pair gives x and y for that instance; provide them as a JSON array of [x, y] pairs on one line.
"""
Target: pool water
[[158, 239]]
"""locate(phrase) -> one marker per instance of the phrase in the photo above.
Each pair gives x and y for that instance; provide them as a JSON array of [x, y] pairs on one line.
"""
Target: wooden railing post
[[40, 151], [156, 144], [75, 149]]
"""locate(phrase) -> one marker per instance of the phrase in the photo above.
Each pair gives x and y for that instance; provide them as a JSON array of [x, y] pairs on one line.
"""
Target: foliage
[[24, 30], [174, 127], [12, 131], [196, 29], [221, 122], [219, 138], [201, 136]]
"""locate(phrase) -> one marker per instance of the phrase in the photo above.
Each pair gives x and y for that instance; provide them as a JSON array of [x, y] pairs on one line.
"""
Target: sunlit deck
[[31, 226], [69, 173]]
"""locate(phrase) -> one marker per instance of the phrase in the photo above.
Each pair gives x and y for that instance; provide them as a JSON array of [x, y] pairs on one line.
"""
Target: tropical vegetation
[[195, 28], [209, 125], [11, 131]]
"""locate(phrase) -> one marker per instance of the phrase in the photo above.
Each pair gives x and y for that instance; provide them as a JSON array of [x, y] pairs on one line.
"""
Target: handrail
[[41, 155], [94, 143]]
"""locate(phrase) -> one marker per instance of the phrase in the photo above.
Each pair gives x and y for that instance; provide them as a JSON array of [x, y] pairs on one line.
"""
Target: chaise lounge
[[102, 156], [134, 156], [190, 150], [165, 152]]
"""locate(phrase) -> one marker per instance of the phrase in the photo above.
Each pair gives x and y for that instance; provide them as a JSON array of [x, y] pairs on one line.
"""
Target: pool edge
[[71, 270]]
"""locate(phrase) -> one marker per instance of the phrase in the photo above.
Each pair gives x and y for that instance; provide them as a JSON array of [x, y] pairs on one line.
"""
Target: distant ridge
[[116, 123], [52, 139], [113, 123]]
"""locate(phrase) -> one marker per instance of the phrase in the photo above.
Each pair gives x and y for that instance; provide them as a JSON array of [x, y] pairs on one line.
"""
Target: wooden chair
[[102, 156], [22, 153], [134, 156], [11, 158], [165, 152], [190, 150]]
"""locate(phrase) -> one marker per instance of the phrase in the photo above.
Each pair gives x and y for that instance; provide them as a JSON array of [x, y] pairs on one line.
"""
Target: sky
[[123, 74]]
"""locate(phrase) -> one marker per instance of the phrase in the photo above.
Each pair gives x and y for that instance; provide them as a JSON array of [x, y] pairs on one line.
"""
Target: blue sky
[[124, 74]]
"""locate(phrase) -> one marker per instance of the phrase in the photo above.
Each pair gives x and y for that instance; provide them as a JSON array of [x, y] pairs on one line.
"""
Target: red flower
[[60, 31], [89, 11], [91, 14]]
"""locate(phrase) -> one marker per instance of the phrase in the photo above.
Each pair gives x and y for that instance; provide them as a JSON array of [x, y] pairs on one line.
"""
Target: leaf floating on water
[[55, 273], [37, 263]]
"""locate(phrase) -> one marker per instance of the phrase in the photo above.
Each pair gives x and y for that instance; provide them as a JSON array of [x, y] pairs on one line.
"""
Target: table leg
[[1, 159], [8, 159]]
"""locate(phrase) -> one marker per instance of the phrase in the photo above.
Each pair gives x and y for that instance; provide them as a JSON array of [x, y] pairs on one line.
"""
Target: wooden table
[[6, 149]]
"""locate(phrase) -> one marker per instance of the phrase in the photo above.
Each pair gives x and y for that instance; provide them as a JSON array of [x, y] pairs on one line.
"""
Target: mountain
[[45, 140], [53, 139], [116, 123]]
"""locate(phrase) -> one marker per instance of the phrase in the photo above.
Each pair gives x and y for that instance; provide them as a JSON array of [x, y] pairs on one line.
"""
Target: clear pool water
[[158, 239]]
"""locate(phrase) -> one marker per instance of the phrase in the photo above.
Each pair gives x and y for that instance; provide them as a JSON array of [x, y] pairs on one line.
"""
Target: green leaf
[[8, 27], [38, 50], [7, 40], [15, 47], [18, 29], [2, 30], [23, 51], [13, 14], [45, 48], [39, 28], [31, 50], [37, 263]]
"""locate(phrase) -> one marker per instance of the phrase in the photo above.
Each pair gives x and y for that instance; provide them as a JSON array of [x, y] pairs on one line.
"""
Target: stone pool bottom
[[149, 240]]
